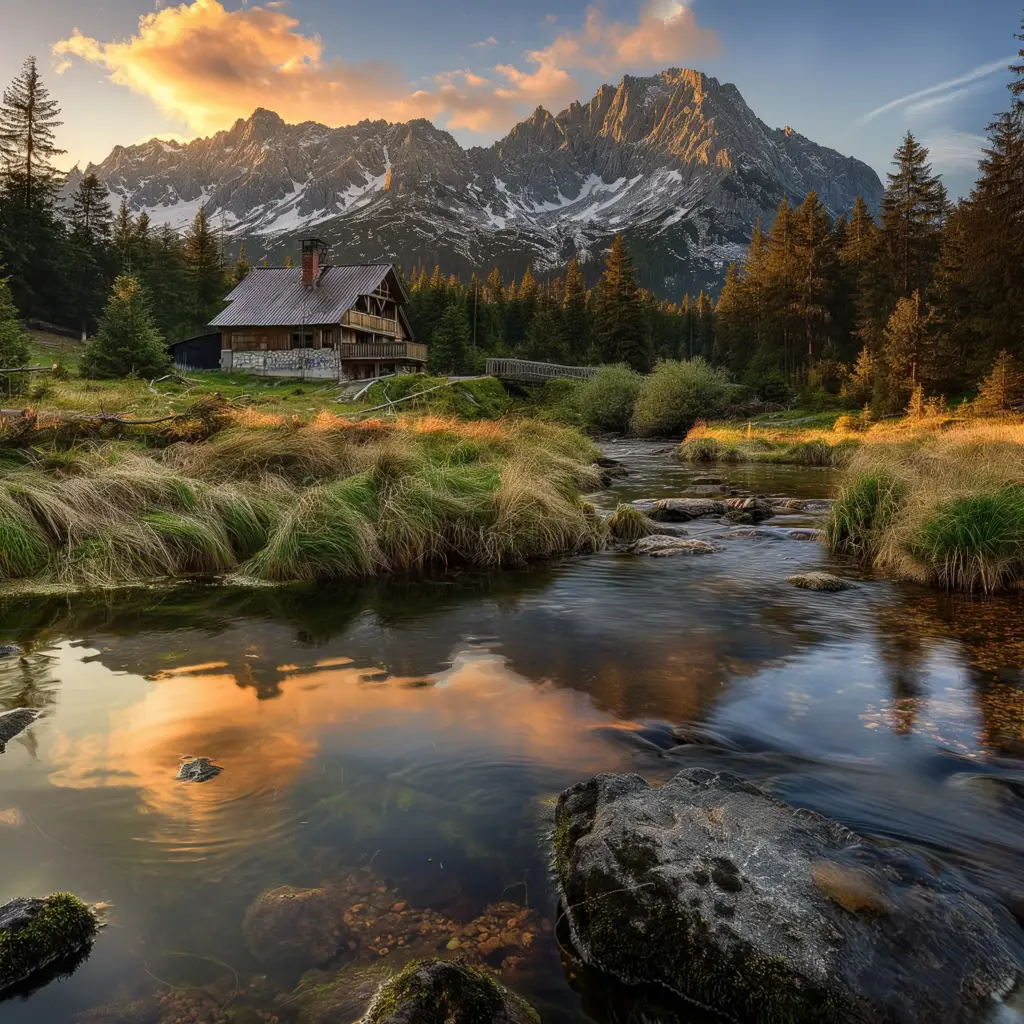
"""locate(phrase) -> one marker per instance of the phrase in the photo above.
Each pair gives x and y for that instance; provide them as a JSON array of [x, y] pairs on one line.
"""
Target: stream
[[410, 736]]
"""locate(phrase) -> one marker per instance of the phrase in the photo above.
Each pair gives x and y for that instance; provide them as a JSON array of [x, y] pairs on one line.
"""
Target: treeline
[[62, 258]]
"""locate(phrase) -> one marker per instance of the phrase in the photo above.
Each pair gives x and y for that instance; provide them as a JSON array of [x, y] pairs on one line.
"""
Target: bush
[[607, 400], [709, 449], [677, 394], [629, 524]]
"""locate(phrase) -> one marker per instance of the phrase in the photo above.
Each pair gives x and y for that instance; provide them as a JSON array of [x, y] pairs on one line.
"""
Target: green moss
[[62, 926], [436, 992]]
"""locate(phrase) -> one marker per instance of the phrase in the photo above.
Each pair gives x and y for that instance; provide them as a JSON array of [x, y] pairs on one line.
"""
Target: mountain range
[[677, 163]]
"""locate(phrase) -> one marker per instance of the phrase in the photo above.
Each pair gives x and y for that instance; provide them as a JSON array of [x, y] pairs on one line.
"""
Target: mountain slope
[[676, 162]]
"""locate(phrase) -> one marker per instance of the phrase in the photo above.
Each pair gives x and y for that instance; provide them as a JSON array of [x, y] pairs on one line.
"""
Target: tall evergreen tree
[[816, 256], [28, 123], [206, 267], [1003, 389], [574, 313], [450, 342], [14, 349], [128, 341], [90, 210], [124, 236], [242, 266], [619, 321]]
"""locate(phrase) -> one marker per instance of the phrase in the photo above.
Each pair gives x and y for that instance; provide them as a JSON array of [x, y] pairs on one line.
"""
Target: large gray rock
[[286, 924], [440, 992], [14, 722], [714, 889], [682, 510], [821, 581], [661, 546]]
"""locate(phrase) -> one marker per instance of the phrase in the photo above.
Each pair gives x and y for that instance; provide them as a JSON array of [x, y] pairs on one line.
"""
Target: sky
[[852, 76]]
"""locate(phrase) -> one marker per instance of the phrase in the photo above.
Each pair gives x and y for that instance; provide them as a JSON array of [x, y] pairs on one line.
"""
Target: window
[[302, 339]]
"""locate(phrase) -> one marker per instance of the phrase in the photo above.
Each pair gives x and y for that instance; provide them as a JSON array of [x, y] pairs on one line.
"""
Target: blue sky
[[192, 67]]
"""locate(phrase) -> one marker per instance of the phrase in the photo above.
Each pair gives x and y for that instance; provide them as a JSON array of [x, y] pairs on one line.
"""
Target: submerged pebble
[[823, 581]]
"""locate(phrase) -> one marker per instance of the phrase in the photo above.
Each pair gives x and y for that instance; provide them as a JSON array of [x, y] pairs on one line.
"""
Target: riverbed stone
[[9, 650], [714, 889], [450, 992], [341, 999], [755, 510], [295, 925], [36, 933], [822, 581], [198, 769], [682, 510], [14, 722], [663, 546]]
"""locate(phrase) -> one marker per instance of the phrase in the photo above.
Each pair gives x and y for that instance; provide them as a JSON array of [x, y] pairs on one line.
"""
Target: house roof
[[276, 296]]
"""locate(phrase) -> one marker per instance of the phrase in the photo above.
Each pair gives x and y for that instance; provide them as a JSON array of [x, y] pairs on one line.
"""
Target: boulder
[[661, 546], [198, 769], [38, 933], [818, 581], [295, 925], [682, 510], [9, 650], [755, 510], [714, 889], [441, 992], [14, 722]]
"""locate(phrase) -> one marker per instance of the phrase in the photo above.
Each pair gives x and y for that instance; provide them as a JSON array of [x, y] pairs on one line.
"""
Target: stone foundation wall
[[288, 362]]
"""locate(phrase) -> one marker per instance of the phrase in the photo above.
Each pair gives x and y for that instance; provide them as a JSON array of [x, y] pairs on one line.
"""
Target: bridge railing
[[536, 372]]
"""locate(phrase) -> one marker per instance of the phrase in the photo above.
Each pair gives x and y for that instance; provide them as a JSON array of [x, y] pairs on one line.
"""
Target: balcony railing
[[410, 350], [369, 322]]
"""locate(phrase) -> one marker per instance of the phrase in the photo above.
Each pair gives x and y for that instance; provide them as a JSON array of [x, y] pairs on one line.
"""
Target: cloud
[[943, 87], [489, 41], [952, 150], [205, 66], [942, 100]]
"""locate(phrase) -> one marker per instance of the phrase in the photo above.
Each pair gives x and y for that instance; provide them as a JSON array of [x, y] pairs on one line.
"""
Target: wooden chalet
[[318, 320]]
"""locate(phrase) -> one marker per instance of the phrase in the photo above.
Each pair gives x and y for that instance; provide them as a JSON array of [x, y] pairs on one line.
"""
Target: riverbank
[[271, 499]]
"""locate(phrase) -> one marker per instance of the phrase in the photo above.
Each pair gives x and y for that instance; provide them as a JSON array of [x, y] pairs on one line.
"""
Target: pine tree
[[450, 342], [206, 266], [128, 341], [28, 123], [782, 279], [90, 210], [619, 322], [576, 323], [860, 385], [704, 336], [289, 263], [14, 350], [1003, 389], [732, 322], [545, 340], [907, 355], [124, 235], [816, 257], [242, 266]]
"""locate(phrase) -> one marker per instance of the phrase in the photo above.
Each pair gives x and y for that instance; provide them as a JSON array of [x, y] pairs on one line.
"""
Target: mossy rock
[[37, 933], [441, 992], [286, 924], [342, 999]]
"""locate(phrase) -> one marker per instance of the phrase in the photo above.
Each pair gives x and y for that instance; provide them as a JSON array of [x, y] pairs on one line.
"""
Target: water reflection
[[417, 730]]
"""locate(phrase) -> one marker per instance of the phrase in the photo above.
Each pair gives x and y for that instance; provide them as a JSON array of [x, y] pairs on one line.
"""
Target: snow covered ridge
[[676, 159]]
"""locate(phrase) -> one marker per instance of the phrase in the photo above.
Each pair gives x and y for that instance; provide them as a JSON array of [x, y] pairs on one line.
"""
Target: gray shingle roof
[[276, 297]]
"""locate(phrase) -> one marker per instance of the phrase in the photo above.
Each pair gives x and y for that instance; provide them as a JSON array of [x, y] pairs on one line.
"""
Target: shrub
[[677, 394], [607, 400], [709, 449], [628, 523]]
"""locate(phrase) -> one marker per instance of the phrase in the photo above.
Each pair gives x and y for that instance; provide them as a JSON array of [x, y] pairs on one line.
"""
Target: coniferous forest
[[920, 298]]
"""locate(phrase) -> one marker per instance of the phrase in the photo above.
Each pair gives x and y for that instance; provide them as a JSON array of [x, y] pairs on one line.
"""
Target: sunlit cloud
[[983, 71], [952, 150], [205, 66]]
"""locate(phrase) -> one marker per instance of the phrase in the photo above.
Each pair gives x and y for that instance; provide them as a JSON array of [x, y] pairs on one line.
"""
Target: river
[[411, 735]]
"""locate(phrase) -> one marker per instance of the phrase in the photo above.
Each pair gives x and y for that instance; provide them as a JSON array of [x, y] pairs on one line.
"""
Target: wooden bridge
[[530, 372]]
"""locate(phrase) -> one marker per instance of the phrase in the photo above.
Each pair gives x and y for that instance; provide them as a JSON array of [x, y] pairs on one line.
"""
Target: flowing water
[[409, 737]]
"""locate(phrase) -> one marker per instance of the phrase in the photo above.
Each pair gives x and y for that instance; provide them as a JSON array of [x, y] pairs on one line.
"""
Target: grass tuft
[[627, 523]]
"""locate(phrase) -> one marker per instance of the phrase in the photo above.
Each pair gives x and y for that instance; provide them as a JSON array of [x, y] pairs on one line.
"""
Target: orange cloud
[[205, 66]]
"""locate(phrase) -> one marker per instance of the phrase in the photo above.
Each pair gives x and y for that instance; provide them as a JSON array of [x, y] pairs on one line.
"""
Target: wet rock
[[198, 769], [439, 991], [661, 546], [755, 510], [342, 999], [295, 925], [787, 504], [748, 535], [824, 581], [682, 510], [739, 518], [709, 481], [807, 534], [37, 933], [9, 650], [714, 889], [14, 722]]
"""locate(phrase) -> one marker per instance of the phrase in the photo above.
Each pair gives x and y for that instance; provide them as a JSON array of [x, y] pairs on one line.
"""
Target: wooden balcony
[[383, 350], [368, 322]]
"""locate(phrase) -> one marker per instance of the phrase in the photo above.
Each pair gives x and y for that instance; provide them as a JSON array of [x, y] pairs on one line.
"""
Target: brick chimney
[[312, 250]]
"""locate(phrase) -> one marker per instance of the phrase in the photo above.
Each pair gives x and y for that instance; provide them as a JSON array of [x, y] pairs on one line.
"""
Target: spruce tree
[[14, 350], [90, 210], [450, 342], [782, 276], [128, 341], [619, 322], [907, 356], [816, 258], [206, 267], [28, 123], [1003, 389], [576, 323], [124, 236], [732, 322], [242, 266]]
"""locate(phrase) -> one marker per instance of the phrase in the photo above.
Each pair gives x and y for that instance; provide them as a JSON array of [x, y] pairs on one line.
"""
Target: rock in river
[[36, 933], [198, 769], [818, 581], [14, 722], [9, 650], [295, 925], [437, 990], [682, 510], [661, 546], [714, 889]]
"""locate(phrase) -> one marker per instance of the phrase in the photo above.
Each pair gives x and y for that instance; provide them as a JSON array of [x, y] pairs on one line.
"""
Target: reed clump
[[946, 509], [287, 501], [629, 524]]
